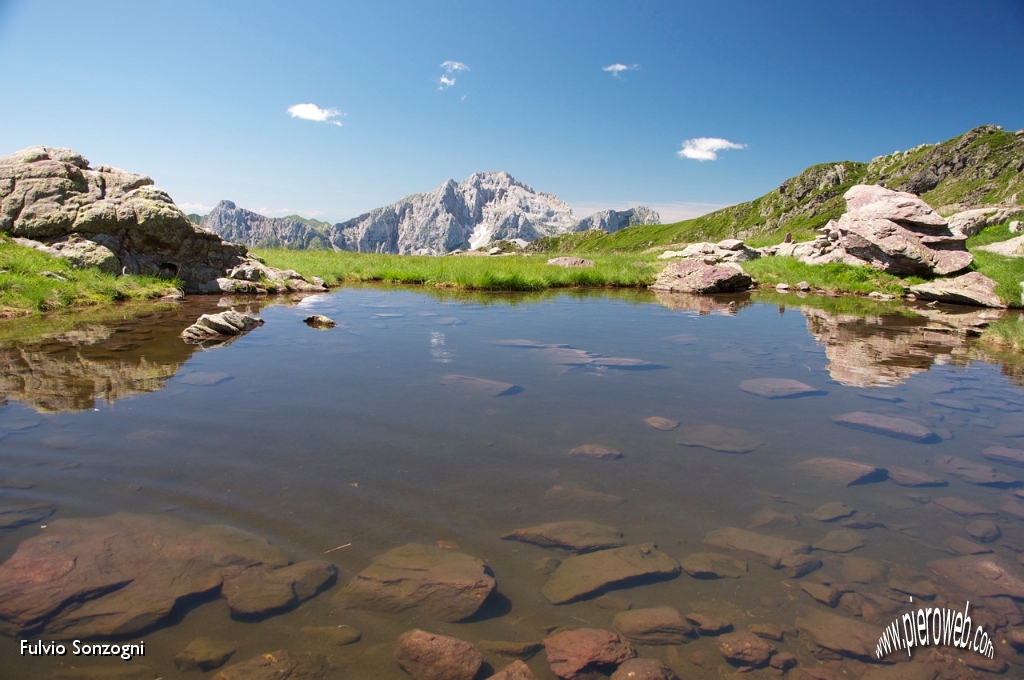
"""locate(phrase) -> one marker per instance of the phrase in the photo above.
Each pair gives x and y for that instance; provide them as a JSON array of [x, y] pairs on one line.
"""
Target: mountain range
[[484, 208]]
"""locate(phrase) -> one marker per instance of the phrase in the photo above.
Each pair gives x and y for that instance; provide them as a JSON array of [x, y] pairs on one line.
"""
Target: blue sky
[[197, 94]]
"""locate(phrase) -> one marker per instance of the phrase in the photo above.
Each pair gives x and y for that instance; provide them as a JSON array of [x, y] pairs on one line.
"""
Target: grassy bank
[[32, 281], [832, 278], [506, 273]]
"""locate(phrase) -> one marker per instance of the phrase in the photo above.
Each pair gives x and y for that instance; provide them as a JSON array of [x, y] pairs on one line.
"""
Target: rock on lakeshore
[[972, 288], [694, 276], [449, 585], [119, 574], [893, 231], [107, 217]]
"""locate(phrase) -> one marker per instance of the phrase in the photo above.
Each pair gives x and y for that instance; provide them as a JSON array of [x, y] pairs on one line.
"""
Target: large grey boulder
[[970, 222], [106, 217], [892, 231], [728, 250], [219, 327]]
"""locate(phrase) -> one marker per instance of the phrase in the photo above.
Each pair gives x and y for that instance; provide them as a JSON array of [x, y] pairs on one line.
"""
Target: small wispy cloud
[[264, 210], [706, 148], [450, 67], [315, 113], [195, 207], [617, 69]]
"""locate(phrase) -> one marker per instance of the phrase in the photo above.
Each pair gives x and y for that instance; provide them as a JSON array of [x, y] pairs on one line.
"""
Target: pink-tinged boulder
[[778, 553], [694, 276], [778, 388], [277, 666], [426, 656], [890, 426], [517, 670], [842, 471], [873, 201], [260, 590], [583, 575], [448, 585], [840, 634], [570, 262], [972, 288], [644, 669], [743, 648], [975, 473], [573, 653], [982, 575], [116, 575]]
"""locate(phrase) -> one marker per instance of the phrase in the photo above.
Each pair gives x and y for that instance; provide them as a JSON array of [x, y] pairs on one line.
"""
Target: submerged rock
[[778, 388], [963, 507], [597, 451], [768, 517], [662, 423], [777, 553], [975, 473], [278, 665], [517, 670], [573, 653], [579, 536], [718, 438], [220, 326], [1003, 454], [982, 575], [427, 656], [448, 585], [644, 669], [13, 516], [653, 626], [124, 573], [842, 471], [256, 591], [830, 512], [840, 541], [712, 565], [204, 654], [493, 388], [840, 634], [743, 648], [589, 574], [890, 426], [913, 478]]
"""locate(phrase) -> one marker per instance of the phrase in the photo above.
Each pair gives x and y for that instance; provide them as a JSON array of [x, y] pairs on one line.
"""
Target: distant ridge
[[485, 207]]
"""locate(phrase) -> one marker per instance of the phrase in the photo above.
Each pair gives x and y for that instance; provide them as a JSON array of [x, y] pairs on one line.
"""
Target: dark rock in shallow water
[[578, 536], [907, 477], [662, 423], [718, 438], [842, 471], [777, 553], [712, 565], [840, 541], [830, 512], [975, 473], [123, 572], [644, 669], [278, 665], [204, 654], [982, 575], [653, 626], [840, 634], [1002, 454], [427, 656], [890, 426], [448, 585], [258, 590], [983, 530], [963, 508], [517, 670], [573, 653], [12, 516], [595, 451], [743, 648], [491, 388], [584, 575]]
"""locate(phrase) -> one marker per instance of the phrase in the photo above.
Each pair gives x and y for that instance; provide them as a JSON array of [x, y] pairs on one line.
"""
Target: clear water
[[318, 439]]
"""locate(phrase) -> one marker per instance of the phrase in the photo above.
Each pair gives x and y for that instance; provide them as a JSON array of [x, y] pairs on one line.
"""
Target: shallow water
[[348, 437]]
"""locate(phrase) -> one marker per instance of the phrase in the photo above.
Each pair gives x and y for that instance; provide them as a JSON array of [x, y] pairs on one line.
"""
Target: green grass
[[832, 278], [508, 273], [25, 290], [1005, 334]]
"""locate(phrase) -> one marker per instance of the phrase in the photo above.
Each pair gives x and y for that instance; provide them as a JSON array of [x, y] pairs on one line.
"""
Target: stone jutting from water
[[890, 426], [972, 288], [572, 654], [579, 536], [778, 553], [219, 326], [124, 573], [448, 585], [428, 656], [584, 575]]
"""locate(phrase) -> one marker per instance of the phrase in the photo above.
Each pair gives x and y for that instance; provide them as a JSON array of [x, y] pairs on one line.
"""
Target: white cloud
[[445, 82], [195, 207], [315, 113], [706, 148], [617, 69], [453, 66], [264, 210]]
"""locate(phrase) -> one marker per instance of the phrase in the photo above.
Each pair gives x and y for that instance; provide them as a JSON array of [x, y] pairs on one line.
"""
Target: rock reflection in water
[[98, 360]]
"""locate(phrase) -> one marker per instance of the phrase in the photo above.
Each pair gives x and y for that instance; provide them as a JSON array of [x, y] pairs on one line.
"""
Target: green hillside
[[981, 167]]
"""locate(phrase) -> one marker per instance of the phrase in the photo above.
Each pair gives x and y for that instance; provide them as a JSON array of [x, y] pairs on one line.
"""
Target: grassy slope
[[23, 288], [978, 167], [515, 272]]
